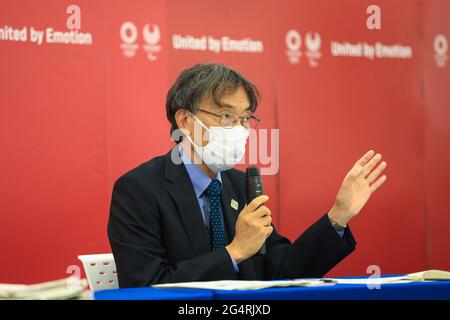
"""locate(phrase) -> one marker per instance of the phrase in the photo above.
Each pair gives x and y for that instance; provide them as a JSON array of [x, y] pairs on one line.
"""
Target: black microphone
[[253, 188]]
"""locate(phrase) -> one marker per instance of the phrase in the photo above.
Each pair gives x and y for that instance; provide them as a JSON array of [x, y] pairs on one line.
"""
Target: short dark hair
[[206, 80]]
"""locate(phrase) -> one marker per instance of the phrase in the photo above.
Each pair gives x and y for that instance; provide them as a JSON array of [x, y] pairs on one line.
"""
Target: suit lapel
[[180, 189], [230, 214]]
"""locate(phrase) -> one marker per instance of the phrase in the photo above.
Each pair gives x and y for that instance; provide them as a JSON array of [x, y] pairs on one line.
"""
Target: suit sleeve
[[312, 255], [134, 232]]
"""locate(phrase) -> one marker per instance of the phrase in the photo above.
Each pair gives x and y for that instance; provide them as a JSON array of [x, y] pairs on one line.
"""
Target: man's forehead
[[229, 101], [233, 107]]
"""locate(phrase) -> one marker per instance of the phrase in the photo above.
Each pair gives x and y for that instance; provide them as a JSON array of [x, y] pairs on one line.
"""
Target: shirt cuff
[[235, 266], [340, 232]]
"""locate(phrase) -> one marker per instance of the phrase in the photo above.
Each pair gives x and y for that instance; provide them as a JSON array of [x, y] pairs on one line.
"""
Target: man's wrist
[[337, 219], [337, 227], [234, 253]]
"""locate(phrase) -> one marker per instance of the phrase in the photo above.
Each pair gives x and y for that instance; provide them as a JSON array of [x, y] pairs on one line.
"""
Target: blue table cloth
[[405, 291], [433, 290], [153, 294]]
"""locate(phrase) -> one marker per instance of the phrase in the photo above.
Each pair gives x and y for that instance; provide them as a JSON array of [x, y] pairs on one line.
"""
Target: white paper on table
[[57, 289], [254, 285], [246, 284], [373, 281]]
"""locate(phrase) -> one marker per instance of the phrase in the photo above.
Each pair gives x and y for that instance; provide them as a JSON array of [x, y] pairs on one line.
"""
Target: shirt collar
[[200, 180]]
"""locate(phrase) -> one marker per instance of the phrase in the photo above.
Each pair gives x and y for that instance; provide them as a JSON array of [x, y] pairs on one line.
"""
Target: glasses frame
[[241, 119]]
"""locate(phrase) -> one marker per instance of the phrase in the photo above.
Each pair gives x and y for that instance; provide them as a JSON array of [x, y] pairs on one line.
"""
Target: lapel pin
[[234, 204]]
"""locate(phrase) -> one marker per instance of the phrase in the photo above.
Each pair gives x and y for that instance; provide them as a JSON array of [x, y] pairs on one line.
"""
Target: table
[[153, 294], [432, 290]]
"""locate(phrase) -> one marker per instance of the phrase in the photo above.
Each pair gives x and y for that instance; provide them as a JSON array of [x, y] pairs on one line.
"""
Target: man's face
[[236, 103]]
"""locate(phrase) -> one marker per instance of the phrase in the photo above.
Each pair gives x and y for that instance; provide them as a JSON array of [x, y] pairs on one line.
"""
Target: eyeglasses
[[229, 120]]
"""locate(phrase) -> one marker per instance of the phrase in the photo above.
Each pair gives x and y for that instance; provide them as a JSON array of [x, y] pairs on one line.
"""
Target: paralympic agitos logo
[[129, 36]]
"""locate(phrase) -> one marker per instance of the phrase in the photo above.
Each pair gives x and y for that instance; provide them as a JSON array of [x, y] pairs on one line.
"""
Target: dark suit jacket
[[157, 233]]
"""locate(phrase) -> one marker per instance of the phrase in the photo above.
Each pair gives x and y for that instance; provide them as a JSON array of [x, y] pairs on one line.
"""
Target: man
[[183, 216]]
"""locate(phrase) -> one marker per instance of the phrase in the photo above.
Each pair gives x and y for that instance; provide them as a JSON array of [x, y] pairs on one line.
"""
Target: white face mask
[[225, 147]]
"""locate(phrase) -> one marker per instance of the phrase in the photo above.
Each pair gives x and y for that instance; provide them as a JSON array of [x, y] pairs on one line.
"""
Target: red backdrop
[[74, 117]]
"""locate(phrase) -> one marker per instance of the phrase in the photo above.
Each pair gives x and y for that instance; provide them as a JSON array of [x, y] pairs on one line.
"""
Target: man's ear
[[183, 120]]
